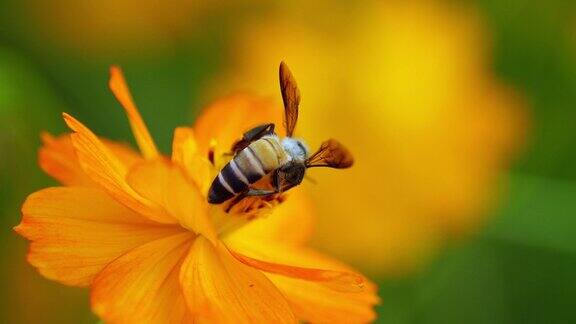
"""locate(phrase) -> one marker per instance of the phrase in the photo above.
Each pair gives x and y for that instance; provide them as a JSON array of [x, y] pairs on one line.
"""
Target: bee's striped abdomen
[[229, 182], [247, 167]]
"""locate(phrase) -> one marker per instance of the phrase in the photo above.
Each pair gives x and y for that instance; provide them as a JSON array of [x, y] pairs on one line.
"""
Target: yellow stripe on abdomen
[[259, 158], [270, 153]]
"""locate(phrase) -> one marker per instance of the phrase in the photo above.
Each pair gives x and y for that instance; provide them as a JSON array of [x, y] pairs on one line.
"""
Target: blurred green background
[[518, 267]]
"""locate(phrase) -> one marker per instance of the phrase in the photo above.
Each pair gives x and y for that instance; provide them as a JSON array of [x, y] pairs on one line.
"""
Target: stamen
[[211, 151], [253, 207], [211, 155]]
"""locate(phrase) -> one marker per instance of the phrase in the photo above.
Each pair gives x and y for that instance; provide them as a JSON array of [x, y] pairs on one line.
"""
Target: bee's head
[[295, 148]]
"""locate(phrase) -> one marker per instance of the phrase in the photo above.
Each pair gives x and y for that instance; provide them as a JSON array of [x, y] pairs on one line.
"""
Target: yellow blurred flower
[[138, 230], [408, 87]]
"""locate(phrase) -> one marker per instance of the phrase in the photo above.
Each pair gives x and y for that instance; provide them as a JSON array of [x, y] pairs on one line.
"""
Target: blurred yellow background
[[409, 88], [460, 204]]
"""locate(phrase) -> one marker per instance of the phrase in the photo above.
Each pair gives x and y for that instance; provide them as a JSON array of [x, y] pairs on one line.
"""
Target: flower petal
[[242, 111], [118, 86], [282, 253], [126, 154], [165, 184], [142, 285], [220, 289], [338, 300], [185, 154], [300, 262], [291, 223], [76, 231], [337, 280], [58, 159], [316, 303], [106, 170]]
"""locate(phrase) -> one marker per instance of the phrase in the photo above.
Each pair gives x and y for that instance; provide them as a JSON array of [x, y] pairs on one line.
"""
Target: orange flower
[[137, 229]]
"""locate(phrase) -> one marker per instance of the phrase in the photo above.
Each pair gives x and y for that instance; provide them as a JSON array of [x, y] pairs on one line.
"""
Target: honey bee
[[261, 152]]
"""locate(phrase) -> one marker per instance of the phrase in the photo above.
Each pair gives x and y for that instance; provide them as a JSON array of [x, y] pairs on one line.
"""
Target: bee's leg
[[252, 135], [259, 192], [234, 202]]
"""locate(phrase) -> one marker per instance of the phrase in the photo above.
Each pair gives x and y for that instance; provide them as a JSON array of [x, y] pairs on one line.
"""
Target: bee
[[261, 152]]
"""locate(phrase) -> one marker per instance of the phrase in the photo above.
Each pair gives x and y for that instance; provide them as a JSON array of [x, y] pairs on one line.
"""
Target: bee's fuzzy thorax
[[296, 149]]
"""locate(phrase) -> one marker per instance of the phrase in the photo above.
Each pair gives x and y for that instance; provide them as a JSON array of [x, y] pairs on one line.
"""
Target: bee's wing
[[252, 135], [331, 154], [290, 97]]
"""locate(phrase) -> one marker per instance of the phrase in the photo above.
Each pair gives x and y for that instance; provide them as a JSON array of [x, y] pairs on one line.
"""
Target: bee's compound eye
[[296, 173]]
